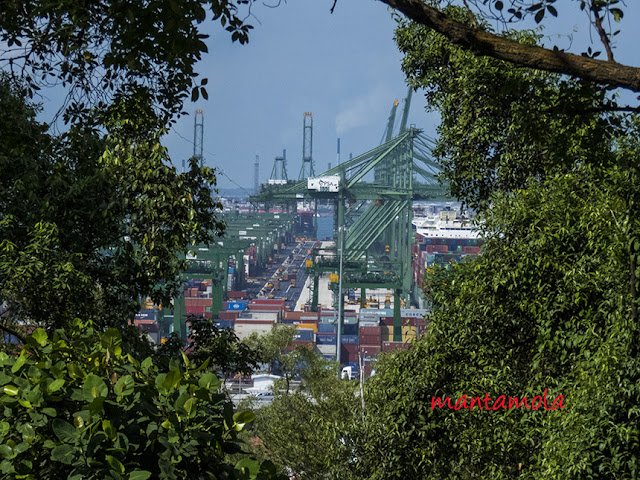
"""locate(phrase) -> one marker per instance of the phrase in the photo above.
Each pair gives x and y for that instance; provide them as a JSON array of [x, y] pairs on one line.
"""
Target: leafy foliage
[[546, 306], [501, 125], [307, 431], [219, 347], [74, 406], [102, 51], [88, 223]]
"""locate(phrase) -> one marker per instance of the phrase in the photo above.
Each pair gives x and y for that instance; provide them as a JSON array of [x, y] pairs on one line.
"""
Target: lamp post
[[340, 302]]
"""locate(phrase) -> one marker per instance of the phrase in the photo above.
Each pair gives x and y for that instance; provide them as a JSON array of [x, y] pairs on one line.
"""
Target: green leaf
[[190, 405], [172, 380], [6, 451], [242, 418], [115, 463], [93, 388], [40, 336], [64, 431], [4, 378], [209, 381], [55, 385], [63, 454], [109, 430], [146, 363], [11, 390], [139, 475], [111, 339], [20, 362], [124, 386], [617, 14], [249, 465]]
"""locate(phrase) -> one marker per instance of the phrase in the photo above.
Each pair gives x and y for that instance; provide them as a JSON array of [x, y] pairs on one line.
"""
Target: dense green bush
[[75, 406]]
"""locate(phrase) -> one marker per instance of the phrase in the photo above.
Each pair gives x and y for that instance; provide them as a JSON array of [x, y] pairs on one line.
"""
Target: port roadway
[[269, 285]]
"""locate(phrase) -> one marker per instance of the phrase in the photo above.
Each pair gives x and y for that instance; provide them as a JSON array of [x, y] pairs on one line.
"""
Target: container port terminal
[[354, 291]]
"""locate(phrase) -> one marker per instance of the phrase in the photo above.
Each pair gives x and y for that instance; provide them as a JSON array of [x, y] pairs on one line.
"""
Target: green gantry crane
[[373, 195]]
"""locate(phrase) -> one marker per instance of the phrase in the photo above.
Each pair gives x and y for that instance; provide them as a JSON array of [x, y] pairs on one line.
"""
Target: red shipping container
[[236, 295], [370, 349], [347, 348], [228, 315], [370, 331], [198, 302], [265, 308], [387, 321], [191, 310], [294, 315], [267, 301], [370, 339]]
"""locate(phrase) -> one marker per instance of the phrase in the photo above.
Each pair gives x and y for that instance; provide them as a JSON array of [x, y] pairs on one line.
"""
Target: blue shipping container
[[349, 339], [350, 329], [326, 328], [326, 339], [224, 323], [304, 335], [236, 305]]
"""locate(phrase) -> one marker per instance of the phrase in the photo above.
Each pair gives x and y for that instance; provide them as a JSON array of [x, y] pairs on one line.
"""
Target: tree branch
[[11, 331], [601, 32], [491, 45]]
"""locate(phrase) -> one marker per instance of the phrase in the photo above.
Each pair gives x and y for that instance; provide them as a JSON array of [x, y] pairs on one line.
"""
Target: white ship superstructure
[[446, 224]]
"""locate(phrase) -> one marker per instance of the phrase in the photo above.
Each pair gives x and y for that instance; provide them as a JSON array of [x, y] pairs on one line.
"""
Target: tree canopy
[[101, 51], [89, 221], [551, 304]]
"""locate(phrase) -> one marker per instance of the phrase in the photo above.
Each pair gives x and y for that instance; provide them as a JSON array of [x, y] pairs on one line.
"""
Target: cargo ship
[[443, 236]]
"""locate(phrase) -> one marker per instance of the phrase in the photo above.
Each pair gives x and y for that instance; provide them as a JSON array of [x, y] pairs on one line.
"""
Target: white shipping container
[[259, 316], [245, 329], [369, 323], [326, 349], [412, 313]]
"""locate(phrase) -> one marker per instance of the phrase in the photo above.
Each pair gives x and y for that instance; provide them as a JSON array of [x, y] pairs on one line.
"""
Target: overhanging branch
[[491, 45]]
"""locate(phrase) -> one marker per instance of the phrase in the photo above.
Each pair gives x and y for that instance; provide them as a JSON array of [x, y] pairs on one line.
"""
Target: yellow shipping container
[[408, 333], [333, 278], [386, 331], [309, 263], [312, 326]]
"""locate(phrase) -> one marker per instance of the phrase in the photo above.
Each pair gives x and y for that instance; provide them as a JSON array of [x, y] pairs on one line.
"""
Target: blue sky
[[343, 67]]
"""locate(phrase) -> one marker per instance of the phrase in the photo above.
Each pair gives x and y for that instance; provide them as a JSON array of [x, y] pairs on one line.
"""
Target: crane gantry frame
[[373, 195]]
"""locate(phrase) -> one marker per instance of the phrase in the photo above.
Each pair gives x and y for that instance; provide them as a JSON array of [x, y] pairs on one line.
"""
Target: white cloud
[[365, 110]]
